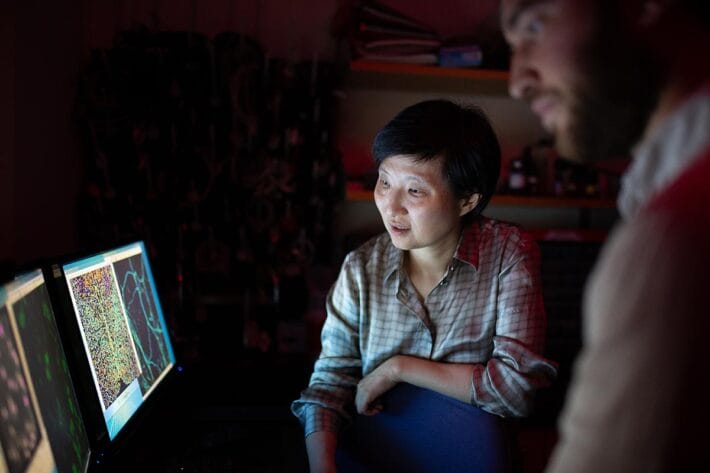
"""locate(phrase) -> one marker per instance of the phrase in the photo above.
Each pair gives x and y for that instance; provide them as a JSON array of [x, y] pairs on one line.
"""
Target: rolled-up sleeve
[[505, 384], [327, 402]]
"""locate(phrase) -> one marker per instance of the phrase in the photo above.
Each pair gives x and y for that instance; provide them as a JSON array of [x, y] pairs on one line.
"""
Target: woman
[[446, 299]]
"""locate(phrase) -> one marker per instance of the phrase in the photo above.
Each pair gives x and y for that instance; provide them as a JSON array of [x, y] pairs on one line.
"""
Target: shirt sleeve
[[506, 383], [638, 397], [327, 403]]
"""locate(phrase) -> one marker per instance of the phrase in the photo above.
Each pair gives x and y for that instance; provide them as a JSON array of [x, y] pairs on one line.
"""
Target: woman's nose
[[391, 204]]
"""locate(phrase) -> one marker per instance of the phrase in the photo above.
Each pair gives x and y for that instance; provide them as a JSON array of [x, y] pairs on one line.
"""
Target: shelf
[[417, 77], [556, 202], [359, 195], [425, 70]]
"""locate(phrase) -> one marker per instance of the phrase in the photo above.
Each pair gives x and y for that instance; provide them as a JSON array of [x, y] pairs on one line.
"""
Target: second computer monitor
[[122, 327], [41, 427]]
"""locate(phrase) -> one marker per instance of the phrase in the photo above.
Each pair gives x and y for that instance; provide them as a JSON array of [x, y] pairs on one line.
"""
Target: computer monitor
[[122, 328], [41, 427]]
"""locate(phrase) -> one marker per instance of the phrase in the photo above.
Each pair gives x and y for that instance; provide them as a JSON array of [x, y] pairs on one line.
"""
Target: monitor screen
[[122, 328], [41, 428]]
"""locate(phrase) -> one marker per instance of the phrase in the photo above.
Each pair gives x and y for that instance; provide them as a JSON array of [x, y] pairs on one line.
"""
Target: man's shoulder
[[685, 199], [652, 269], [672, 230]]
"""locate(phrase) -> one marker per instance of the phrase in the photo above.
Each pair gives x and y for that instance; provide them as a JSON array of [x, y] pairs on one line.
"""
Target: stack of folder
[[386, 35]]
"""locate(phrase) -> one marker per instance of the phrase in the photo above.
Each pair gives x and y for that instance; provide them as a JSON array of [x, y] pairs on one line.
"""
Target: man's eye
[[533, 22], [416, 192], [534, 26], [384, 183]]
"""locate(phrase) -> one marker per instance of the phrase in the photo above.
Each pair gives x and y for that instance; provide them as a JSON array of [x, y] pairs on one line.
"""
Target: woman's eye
[[416, 192], [384, 183]]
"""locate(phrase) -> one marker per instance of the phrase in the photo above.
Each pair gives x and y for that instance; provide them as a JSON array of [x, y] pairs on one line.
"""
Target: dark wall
[[7, 128], [42, 45]]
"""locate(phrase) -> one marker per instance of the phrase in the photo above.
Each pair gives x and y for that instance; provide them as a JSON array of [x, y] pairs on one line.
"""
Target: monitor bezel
[[35, 275], [103, 445]]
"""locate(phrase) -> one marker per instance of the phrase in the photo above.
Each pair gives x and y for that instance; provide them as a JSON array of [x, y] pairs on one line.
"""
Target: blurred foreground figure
[[607, 78]]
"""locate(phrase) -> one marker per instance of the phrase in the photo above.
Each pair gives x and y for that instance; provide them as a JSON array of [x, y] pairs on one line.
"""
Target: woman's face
[[416, 203]]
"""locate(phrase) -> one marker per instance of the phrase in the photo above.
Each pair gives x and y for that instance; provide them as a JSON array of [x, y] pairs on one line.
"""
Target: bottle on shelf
[[530, 168], [516, 177]]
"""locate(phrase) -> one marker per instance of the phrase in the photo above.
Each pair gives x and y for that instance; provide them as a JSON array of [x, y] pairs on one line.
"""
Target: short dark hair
[[461, 135]]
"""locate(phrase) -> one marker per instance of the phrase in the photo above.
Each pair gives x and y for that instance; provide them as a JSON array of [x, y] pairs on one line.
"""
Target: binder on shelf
[[383, 31], [460, 56], [400, 45], [385, 35], [375, 12], [423, 58]]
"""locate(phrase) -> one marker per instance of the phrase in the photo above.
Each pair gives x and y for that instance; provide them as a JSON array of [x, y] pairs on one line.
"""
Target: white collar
[[661, 157]]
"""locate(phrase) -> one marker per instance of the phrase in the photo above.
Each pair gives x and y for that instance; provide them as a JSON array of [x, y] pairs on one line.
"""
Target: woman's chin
[[401, 241]]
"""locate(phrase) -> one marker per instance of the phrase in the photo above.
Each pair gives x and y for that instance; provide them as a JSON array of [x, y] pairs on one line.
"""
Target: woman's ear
[[469, 203]]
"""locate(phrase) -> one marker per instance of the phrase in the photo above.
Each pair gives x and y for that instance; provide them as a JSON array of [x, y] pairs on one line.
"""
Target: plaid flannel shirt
[[487, 311]]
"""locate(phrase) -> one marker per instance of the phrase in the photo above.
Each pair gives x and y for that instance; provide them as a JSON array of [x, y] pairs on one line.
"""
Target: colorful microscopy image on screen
[[51, 380], [19, 429], [106, 331], [147, 326]]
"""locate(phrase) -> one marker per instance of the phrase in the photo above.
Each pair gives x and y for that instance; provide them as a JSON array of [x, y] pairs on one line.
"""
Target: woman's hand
[[375, 384]]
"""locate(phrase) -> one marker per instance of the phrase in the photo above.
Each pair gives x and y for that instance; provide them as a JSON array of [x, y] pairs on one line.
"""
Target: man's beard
[[613, 100]]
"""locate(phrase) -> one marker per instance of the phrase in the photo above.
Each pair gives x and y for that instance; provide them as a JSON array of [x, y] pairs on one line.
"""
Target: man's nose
[[524, 78]]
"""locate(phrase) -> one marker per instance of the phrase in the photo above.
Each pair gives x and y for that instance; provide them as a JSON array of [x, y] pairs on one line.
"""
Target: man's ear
[[469, 204]]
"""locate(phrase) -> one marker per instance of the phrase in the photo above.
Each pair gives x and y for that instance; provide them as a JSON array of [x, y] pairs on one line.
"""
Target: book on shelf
[[376, 31], [396, 47], [393, 43], [383, 34], [423, 58], [460, 56], [376, 13]]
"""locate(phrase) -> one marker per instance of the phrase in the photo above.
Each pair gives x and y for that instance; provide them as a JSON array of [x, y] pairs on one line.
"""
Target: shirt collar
[[469, 243], [662, 156], [393, 260]]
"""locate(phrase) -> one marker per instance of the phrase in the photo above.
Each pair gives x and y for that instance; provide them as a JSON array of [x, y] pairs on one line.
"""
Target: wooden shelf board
[[358, 195], [425, 70], [551, 201]]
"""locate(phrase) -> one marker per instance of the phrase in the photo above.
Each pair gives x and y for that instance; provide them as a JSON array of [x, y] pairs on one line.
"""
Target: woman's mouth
[[397, 229]]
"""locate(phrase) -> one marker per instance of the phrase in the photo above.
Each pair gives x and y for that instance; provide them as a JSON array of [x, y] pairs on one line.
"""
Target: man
[[609, 77]]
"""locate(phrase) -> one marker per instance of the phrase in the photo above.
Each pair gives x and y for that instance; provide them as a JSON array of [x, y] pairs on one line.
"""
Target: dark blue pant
[[424, 431]]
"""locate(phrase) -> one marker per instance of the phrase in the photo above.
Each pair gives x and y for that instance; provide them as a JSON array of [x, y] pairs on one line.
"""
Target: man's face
[[591, 87]]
